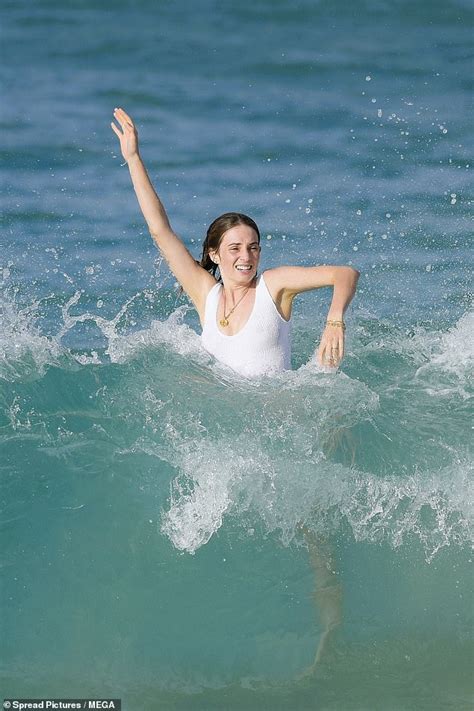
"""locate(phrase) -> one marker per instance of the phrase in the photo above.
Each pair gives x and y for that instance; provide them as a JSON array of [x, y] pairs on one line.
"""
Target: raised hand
[[128, 136]]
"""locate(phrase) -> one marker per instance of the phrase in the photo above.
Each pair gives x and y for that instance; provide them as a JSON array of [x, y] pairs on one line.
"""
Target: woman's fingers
[[331, 351], [126, 116], [115, 129], [123, 118], [124, 125], [341, 347], [325, 354]]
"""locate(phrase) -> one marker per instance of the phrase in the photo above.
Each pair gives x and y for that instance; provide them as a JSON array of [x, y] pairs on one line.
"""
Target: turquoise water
[[176, 536]]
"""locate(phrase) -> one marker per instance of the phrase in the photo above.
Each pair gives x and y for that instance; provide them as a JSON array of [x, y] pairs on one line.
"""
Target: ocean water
[[174, 535]]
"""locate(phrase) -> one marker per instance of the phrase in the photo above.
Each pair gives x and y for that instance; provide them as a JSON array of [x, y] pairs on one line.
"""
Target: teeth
[[242, 269]]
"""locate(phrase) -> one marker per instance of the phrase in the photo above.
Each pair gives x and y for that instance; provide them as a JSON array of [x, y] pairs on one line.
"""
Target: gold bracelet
[[341, 324]]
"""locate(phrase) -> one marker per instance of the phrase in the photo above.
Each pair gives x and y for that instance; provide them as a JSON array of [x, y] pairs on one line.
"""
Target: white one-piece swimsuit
[[261, 347]]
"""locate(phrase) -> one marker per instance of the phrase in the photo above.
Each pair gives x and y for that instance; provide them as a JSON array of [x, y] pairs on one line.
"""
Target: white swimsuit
[[261, 347]]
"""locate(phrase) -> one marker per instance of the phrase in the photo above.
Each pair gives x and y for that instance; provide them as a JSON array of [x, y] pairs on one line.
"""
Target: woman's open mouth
[[244, 267]]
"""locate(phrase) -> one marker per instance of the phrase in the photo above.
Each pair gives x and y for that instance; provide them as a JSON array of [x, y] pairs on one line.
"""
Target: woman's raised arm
[[195, 280]]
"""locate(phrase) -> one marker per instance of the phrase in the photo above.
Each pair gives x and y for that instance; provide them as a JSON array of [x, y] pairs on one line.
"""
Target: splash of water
[[260, 451]]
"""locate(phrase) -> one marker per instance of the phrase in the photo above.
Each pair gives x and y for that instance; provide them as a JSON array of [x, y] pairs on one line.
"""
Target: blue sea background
[[153, 505]]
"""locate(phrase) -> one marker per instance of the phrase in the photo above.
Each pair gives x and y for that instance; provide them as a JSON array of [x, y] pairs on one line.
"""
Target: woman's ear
[[214, 257]]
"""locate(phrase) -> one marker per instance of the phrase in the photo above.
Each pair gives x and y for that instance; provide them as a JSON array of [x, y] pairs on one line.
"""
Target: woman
[[245, 317]]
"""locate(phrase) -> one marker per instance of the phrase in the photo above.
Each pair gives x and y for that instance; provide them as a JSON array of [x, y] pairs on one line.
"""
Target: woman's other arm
[[195, 280], [289, 281]]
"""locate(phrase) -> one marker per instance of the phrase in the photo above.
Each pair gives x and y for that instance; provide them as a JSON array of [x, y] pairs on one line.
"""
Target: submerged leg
[[341, 440], [327, 591]]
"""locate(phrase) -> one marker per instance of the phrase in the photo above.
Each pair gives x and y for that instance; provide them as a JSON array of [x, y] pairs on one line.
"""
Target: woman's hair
[[215, 233]]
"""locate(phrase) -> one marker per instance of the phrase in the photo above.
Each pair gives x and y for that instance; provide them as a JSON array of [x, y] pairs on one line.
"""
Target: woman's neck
[[234, 291]]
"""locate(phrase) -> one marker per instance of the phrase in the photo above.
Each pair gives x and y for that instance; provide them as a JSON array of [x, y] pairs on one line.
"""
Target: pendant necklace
[[225, 321]]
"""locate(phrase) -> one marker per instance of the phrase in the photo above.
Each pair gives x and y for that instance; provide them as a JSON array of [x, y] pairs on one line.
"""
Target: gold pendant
[[224, 322]]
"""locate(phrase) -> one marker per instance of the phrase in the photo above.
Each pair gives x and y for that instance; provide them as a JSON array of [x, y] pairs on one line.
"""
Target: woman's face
[[238, 254]]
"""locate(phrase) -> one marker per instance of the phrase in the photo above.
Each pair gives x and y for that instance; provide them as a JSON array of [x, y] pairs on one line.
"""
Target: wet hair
[[215, 233]]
